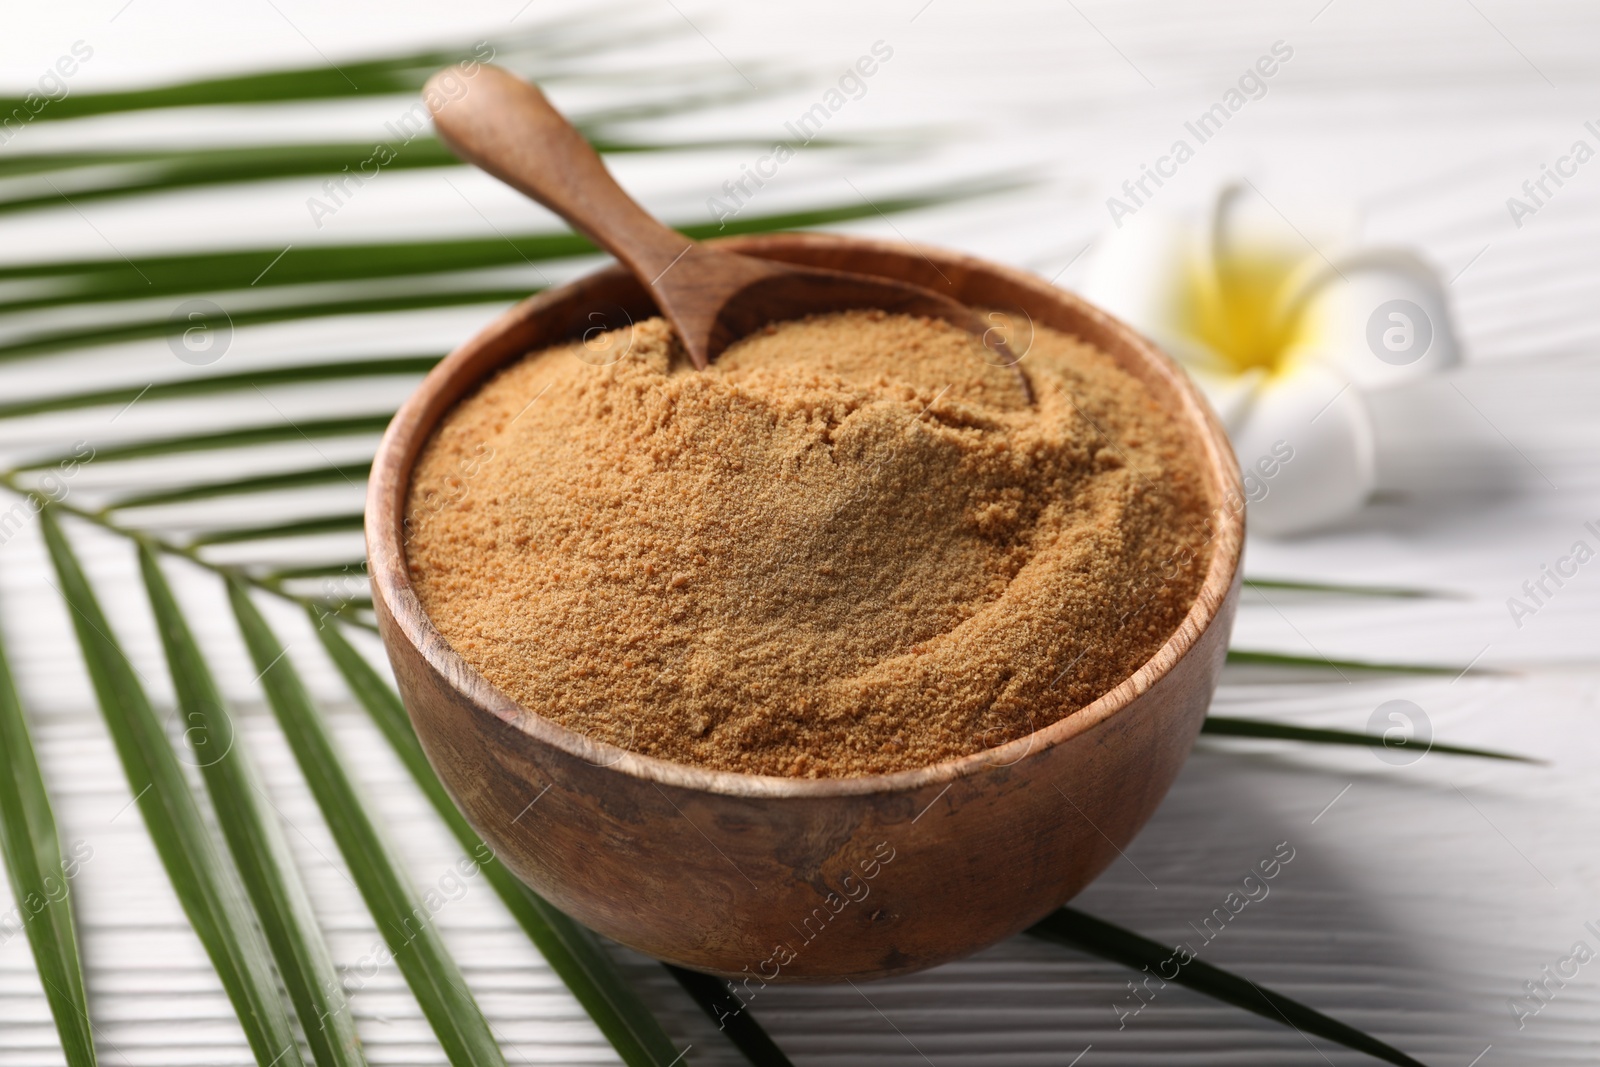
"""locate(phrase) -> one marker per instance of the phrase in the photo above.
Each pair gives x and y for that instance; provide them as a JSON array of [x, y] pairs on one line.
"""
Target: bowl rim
[[390, 576]]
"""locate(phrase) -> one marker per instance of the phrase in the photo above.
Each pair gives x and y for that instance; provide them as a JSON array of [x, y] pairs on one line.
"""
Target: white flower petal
[[1231, 395], [1380, 316], [1139, 272], [1242, 220], [1144, 273], [1306, 448]]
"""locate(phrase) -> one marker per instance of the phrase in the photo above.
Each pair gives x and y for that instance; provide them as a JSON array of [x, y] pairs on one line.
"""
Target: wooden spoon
[[711, 297]]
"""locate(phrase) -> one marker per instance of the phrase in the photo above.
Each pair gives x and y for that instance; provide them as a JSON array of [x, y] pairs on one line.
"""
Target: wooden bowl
[[788, 879]]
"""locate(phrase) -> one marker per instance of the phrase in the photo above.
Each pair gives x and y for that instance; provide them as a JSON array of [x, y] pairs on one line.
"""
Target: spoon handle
[[496, 120]]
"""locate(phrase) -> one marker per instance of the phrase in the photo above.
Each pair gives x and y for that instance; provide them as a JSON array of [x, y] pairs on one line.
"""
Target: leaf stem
[[268, 584]]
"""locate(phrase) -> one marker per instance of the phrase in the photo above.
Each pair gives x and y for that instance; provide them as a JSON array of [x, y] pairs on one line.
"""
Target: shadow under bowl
[[789, 879]]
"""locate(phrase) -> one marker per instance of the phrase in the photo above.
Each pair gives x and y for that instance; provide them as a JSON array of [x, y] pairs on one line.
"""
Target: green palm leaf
[[570, 949], [40, 877], [254, 838], [1400, 592], [164, 326], [212, 384], [143, 276], [1068, 926], [350, 568], [732, 1017], [576, 36], [206, 884], [350, 474], [100, 176], [1223, 726], [299, 528], [403, 917], [1245, 657], [244, 437]]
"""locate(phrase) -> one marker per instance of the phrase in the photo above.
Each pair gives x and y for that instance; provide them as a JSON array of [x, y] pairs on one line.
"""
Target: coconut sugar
[[852, 546]]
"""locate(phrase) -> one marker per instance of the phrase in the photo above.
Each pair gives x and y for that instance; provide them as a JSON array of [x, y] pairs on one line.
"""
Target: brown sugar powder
[[850, 547]]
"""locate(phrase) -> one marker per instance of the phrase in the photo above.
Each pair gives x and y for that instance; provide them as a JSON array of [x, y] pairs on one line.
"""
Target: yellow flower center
[[1237, 307]]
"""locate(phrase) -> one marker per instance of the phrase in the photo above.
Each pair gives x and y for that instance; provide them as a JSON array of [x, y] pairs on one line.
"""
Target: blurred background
[[1426, 889]]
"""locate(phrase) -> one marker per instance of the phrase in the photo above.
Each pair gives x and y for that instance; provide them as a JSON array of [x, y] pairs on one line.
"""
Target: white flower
[[1285, 333]]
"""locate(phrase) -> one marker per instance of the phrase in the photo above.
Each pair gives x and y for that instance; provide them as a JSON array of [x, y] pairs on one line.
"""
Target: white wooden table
[[1421, 898]]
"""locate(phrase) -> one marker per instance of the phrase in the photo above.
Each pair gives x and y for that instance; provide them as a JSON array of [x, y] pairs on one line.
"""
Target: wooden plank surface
[[1417, 904]]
